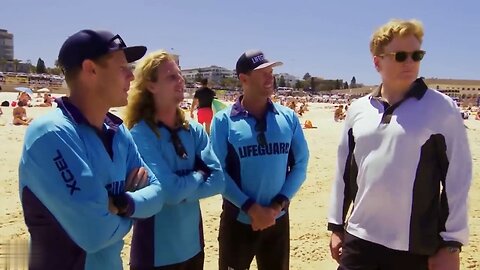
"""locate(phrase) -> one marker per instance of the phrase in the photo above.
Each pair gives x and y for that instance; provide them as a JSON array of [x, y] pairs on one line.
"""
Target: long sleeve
[[219, 137], [149, 200], [457, 181], [214, 183], [341, 197], [176, 188], [299, 155], [60, 176]]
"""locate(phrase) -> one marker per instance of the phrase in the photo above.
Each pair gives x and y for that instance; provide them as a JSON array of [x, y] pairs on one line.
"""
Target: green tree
[[353, 82], [198, 77], [3, 62], [15, 62], [229, 83], [299, 84], [345, 85], [281, 82], [41, 68], [338, 84], [312, 84], [307, 76]]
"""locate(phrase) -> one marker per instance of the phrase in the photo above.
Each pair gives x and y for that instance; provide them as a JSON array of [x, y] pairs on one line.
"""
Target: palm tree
[[3, 62], [15, 64]]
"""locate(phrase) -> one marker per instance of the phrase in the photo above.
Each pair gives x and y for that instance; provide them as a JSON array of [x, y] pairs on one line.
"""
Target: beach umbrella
[[217, 105], [43, 90], [24, 89]]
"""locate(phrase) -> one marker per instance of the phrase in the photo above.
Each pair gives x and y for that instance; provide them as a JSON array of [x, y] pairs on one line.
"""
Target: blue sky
[[325, 38]]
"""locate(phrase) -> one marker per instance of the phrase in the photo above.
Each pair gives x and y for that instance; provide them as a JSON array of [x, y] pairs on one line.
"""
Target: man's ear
[[243, 77], [88, 66], [376, 63]]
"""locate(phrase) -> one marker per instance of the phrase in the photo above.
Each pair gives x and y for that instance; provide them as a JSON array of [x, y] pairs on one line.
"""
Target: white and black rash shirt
[[407, 169]]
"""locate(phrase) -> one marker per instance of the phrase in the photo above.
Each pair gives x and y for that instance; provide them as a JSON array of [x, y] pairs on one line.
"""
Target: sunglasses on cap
[[116, 42], [402, 56], [261, 127]]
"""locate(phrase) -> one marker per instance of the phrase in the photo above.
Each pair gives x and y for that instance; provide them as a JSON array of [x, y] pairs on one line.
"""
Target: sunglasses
[[261, 127], [178, 145], [116, 42], [402, 56]]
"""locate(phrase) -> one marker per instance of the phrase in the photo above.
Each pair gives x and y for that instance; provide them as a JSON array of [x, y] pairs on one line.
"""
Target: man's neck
[[167, 116], [393, 94], [92, 109], [255, 106]]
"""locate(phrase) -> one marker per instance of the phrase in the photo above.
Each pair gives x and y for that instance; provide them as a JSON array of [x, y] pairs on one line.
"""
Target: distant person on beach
[[179, 151], [339, 115], [82, 179], [20, 114], [404, 163], [292, 105], [264, 155], [47, 101], [25, 98], [202, 101]]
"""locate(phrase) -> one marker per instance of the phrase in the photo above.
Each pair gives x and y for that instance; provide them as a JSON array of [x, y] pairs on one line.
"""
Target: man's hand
[[277, 208], [111, 206], [444, 260], [137, 179], [336, 242], [262, 217]]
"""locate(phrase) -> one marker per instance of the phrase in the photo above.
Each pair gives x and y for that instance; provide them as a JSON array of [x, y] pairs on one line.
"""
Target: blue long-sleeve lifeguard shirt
[[175, 233], [256, 172], [67, 171]]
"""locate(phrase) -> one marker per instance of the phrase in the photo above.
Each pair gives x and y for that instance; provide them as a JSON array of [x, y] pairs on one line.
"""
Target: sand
[[308, 211]]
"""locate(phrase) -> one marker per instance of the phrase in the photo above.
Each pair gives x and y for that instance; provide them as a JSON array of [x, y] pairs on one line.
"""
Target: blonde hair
[[141, 105], [394, 28]]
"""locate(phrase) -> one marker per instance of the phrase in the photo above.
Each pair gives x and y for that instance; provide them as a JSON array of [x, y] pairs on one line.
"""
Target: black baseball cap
[[92, 44], [253, 60]]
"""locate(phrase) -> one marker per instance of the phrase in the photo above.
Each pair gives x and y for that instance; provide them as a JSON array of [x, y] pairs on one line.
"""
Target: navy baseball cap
[[92, 44], [253, 60]]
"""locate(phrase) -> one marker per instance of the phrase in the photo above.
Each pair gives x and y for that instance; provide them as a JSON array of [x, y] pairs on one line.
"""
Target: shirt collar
[[239, 110], [417, 89], [76, 115]]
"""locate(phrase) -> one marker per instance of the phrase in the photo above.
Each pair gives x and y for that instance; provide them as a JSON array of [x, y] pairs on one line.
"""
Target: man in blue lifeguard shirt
[[264, 154], [79, 162]]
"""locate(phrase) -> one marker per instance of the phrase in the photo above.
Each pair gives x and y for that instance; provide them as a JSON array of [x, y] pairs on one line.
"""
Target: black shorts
[[194, 263], [359, 254], [238, 244]]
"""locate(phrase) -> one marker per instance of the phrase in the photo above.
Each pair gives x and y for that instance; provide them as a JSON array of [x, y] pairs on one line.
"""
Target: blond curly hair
[[394, 28], [141, 105]]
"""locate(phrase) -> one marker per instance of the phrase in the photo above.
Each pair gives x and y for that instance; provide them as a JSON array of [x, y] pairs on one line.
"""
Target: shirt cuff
[[281, 200], [335, 227], [247, 204], [125, 204], [451, 244]]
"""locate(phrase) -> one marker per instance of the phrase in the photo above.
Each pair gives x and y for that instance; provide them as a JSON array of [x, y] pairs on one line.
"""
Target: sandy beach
[[308, 211]]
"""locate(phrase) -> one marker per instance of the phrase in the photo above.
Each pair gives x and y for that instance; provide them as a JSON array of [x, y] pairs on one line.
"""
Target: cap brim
[[134, 53], [269, 64]]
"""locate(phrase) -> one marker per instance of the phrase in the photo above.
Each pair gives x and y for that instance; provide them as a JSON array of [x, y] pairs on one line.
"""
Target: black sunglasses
[[402, 56], [116, 42], [178, 145], [261, 127]]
